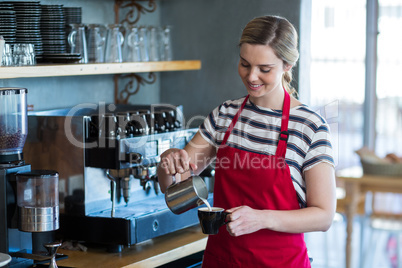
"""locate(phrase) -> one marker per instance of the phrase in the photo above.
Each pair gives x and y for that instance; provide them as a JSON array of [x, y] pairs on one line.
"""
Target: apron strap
[[234, 120], [284, 135]]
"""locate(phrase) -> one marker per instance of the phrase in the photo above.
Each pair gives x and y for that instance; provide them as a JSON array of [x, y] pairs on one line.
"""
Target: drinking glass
[[133, 45], [153, 43], [114, 43], [143, 43], [77, 41], [8, 55], [21, 55], [30, 48], [2, 42], [96, 36], [166, 44]]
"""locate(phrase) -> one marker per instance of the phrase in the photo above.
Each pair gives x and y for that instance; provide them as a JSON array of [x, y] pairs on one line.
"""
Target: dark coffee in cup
[[211, 220]]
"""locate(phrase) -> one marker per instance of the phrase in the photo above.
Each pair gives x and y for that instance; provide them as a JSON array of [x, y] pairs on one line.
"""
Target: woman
[[274, 166]]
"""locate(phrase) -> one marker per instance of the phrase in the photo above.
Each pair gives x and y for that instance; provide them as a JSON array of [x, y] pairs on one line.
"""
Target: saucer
[[4, 259]]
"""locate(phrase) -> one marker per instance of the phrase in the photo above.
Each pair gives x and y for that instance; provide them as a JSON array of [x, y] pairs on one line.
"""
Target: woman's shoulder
[[230, 105], [233, 102], [308, 113]]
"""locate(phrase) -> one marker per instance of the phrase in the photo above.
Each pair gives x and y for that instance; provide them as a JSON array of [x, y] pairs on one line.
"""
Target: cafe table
[[356, 185]]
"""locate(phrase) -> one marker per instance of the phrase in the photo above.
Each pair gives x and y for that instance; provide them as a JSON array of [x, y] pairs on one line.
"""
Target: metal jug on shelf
[[114, 43]]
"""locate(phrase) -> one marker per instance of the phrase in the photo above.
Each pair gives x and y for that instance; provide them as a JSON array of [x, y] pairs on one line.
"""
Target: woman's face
[[261, 70]]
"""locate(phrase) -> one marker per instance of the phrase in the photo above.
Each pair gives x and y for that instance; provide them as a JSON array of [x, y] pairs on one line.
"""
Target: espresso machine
[[106, 155], [28, 213]]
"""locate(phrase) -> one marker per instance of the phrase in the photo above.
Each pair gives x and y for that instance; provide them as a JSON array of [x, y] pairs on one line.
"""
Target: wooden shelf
[[51, 70]]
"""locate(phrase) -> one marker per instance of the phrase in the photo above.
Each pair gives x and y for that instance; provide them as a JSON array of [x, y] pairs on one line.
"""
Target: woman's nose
[[253, 74]]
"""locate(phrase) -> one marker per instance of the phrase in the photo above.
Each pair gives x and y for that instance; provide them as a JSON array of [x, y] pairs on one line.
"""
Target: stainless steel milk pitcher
[[187, 194]]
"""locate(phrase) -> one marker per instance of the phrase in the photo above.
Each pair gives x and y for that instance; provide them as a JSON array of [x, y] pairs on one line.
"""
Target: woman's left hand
[[243, 220]]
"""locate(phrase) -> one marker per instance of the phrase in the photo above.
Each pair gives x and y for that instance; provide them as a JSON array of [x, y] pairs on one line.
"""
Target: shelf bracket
[[132, 87], [130, 11], [135, 9]]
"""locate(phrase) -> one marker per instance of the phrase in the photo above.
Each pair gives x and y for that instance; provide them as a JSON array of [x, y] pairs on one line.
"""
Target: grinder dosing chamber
[[38, 200], [13, 123]]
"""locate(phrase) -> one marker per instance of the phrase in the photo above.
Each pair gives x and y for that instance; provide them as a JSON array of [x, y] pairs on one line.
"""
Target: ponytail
[[286, 80]]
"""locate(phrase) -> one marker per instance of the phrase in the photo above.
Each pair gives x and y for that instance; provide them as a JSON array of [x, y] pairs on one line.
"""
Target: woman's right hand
[[173, 162], [176, 162]]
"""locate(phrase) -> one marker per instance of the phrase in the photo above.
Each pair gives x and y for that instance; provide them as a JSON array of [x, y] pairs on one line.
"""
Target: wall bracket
[[133, 10], [132, 87]]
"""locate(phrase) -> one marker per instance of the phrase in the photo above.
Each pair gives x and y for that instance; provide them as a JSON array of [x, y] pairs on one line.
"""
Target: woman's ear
[[287, 67]]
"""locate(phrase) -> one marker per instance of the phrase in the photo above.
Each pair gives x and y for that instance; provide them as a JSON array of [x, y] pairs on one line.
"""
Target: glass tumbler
[[30, 48], [2, 42], [21, 55], [8, 59], [166, 44]]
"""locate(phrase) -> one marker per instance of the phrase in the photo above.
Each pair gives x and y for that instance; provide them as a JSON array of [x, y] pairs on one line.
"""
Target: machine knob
[[146, 185], [135, 158], [160, 122]]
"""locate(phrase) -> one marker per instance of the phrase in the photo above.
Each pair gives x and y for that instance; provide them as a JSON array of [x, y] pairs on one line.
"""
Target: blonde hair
[[278, 33]]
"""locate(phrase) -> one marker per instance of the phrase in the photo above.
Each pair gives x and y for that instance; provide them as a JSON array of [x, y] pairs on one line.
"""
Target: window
[[389, 86], [337, 74]]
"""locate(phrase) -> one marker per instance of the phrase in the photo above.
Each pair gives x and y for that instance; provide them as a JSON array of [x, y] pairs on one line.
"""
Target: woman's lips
[[254, 86]]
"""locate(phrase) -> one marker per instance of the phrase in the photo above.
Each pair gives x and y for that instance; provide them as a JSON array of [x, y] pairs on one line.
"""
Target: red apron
[[260, 182]]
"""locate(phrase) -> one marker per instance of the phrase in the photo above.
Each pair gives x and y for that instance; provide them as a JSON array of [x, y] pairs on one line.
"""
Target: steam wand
[[113, 190]]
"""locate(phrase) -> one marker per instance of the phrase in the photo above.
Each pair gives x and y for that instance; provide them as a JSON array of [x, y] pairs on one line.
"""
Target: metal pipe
[[370, 100]]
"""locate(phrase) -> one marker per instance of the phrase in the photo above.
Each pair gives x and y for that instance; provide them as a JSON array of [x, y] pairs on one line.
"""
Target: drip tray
[[132, 224]]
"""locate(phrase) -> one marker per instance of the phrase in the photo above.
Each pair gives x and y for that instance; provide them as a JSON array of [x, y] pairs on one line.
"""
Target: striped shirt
[[257, 130]]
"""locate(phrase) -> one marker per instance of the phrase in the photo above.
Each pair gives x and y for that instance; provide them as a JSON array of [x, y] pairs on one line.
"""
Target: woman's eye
[[266, 71], [245, 65]]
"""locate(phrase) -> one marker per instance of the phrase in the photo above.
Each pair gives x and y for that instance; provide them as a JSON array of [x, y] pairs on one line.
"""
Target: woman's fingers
[[175, 162]]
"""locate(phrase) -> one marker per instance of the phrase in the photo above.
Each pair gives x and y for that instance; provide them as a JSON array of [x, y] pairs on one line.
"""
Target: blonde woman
[[274, 165]]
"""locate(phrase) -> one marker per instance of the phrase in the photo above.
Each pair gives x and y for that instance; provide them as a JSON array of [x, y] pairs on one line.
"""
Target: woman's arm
[[198, 152], [317, 216]]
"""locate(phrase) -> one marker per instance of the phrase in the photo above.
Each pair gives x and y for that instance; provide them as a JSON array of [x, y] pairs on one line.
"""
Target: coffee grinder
[[23, 233]]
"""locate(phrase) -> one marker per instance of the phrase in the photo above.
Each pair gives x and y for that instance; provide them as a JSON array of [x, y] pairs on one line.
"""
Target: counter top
[[151, 253]]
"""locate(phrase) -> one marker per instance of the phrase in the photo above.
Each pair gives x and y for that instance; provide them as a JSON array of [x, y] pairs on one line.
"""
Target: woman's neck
[[271, 100], [274, 100]]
